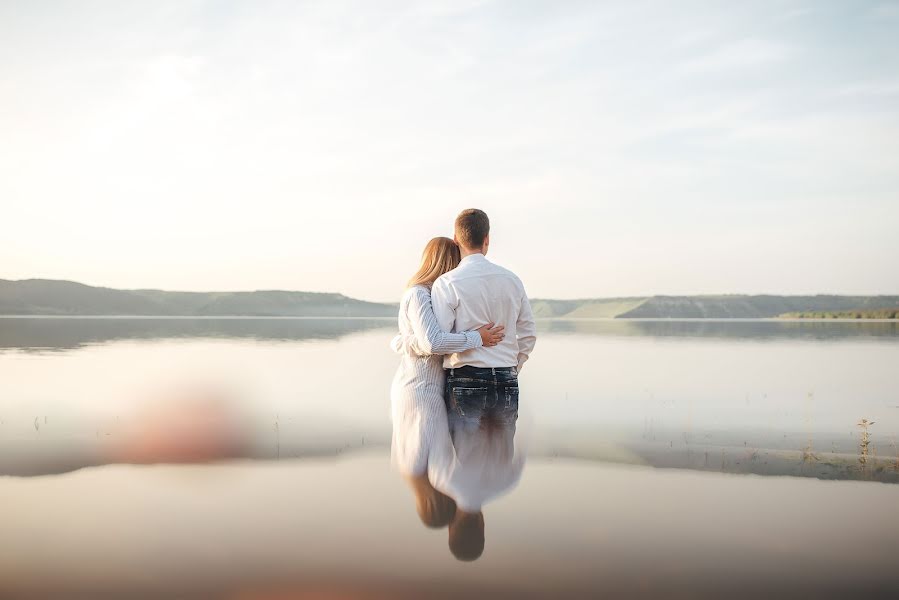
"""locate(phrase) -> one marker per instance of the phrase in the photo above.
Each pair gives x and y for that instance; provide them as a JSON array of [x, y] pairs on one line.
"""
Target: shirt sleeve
[[526, 329], [397, 343], [407, 344], [430, 337]]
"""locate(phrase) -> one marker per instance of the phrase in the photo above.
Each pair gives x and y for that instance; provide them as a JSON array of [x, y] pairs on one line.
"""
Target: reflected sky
[[734, 329], [348, 528], [48, 333], [746, 397], [69, 333], [470, 465]]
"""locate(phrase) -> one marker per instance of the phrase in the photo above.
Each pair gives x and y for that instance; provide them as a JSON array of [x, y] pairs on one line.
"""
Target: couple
[[466, 330]]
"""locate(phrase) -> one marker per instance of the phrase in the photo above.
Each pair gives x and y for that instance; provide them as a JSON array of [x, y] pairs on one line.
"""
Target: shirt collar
[[478, 257]]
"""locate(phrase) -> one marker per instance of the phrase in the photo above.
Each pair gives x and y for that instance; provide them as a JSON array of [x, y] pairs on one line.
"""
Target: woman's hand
[[491, 334]]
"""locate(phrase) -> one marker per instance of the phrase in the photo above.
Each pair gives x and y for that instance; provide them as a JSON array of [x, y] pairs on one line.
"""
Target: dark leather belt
[[469, 370]]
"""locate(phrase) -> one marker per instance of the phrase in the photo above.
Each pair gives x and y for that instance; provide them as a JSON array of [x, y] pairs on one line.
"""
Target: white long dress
[[416, 395]]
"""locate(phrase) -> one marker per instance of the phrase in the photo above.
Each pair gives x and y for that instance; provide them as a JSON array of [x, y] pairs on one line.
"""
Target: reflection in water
[[43, 333], [435, 509], [297, 529], [61, 333], [603, 396], [470, 462], [486, 465], [736, 329], [760, 397]]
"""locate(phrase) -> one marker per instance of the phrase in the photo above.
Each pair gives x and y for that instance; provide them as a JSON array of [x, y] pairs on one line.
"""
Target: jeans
[[479, 397]]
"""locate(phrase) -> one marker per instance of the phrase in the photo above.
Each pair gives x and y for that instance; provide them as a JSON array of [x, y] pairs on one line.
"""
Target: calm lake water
[[719, 395], [606, 407]]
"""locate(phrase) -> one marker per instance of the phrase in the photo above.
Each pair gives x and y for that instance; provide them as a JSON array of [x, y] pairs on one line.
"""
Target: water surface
[[781, 397], [311, 504]]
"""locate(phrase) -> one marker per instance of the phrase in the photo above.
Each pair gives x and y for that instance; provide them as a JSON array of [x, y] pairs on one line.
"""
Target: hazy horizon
[[394, 300], [622, 149]]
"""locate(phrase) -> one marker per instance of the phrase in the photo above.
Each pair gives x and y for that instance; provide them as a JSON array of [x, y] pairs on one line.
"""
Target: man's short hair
[[472, 227], [466, 536]]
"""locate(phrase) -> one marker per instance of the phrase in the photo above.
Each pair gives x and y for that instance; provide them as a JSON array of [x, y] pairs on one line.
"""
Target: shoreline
[[390, 318]]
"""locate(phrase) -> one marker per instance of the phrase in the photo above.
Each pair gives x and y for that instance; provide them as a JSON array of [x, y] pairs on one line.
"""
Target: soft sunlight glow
[[620, 148]]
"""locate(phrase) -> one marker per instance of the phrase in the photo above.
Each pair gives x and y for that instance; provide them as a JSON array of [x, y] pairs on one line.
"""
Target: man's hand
[[491, 334]]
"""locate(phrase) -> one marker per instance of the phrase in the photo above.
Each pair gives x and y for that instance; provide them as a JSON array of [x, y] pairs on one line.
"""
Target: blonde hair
[[440, 256]]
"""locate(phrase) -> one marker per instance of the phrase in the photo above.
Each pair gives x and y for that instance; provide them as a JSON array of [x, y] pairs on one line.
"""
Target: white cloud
[[318, 145], [742, 54], [870, 88]]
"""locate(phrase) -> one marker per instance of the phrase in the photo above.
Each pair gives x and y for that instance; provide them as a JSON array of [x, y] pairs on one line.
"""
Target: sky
[[619, 148]]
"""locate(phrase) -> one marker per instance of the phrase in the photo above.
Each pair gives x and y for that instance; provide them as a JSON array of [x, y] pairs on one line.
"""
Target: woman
[[418, 411]]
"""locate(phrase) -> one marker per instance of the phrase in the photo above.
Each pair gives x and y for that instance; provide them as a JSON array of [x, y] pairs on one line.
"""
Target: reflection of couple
[[454, 415]]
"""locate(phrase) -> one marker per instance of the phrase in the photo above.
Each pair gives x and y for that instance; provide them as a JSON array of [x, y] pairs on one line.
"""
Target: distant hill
[[585, 309], [53, 297], [709, 307]]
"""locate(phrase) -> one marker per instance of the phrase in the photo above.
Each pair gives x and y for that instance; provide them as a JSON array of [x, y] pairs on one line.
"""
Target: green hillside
[[53, 297], [613, 307], [733, 306], [750, 307], [50, 297], [591, 308], [544, 309]]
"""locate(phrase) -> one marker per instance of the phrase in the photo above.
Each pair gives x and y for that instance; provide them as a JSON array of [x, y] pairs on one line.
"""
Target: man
[[482, 382], [484, 466]]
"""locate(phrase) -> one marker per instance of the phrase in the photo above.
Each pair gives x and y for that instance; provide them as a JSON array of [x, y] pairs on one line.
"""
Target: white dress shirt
[[478, 292]]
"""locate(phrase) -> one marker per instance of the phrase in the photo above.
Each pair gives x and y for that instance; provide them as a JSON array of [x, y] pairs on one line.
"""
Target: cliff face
[[708, 307], [750, 307]]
